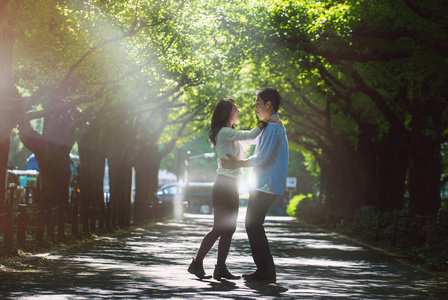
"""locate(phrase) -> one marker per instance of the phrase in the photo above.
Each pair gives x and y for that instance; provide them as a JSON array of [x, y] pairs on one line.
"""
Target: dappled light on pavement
[[152, 262]]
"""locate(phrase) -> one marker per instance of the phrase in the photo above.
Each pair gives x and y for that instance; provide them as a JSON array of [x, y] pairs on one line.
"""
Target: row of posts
[[44, 217], [106, 215], [393, 238], [7, 218], [430, 225]]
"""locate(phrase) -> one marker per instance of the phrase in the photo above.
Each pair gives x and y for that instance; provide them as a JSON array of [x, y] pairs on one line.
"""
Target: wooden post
[[150, 209], [154, 206], [22, 217], [61, 220], [21, 226], [157, 210], [101, 212], [75, 207], [40, 226], [429, 231], [377, 226], [8, 219], [92, 216], [393, 239], [27, 195], [107, 216], [327, 219], [49, 218], [113, 214], [84, 217], [2, 217]]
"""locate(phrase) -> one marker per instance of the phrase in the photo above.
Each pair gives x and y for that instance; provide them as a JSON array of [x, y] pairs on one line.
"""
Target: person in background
[[270, 167], [225, 196]]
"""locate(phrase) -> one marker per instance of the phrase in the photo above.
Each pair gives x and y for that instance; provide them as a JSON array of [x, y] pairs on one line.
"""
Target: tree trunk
[[366, 160], [52, 153], [339, 181], [120, 179], [146, 182], [392, 166], [424, 176], [120, 151], [384, 166], [92, 164], [4, 150], [54, 178], [9, 115], [425, 158]]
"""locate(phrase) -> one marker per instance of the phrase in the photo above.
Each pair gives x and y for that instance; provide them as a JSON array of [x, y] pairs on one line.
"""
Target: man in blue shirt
[[270, 162]]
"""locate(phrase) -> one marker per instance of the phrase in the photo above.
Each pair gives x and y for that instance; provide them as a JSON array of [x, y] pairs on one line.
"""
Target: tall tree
[[390, 53], [10, 107]]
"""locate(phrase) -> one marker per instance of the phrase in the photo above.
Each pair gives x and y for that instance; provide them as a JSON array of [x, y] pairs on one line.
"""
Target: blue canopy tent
[[31, 163]]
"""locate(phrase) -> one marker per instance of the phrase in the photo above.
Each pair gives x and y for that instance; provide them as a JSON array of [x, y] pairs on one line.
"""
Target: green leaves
[[341, 66]]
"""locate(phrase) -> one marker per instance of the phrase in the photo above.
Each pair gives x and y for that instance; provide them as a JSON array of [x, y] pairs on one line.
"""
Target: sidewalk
[[151, 263]]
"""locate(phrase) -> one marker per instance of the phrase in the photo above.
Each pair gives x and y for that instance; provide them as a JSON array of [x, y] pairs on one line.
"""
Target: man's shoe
[[196, 268], [222, 272], [258, 276], [245, 275]]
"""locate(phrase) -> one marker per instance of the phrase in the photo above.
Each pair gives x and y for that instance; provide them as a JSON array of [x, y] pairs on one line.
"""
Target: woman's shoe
[[222, 272], [196, 268]]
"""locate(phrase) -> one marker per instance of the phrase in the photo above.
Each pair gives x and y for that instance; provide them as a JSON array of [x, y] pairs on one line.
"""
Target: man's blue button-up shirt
[[270, 159]]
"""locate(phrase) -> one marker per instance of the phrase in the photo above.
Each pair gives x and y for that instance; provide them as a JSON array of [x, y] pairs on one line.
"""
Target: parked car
[[199, 199]]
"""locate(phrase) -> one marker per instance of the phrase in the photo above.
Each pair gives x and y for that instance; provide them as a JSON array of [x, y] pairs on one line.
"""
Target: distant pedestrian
[[225, 196], [270, 162]]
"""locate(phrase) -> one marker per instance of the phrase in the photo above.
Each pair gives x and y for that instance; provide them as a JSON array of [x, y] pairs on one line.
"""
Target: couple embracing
[[270, 166]]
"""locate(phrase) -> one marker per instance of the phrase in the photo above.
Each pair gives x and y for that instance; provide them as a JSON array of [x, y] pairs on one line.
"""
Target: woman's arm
[[262, 157], [233, 163], [248, 136], [231, 134]]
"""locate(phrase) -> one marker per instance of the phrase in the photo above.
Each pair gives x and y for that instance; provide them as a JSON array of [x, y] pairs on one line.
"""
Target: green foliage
[[411, 235], [434, 256], [293, 206], [201, 169], [162, 65], [307, 179]]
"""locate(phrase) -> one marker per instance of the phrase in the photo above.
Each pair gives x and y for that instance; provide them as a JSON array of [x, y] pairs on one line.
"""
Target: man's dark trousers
[[257, 208]]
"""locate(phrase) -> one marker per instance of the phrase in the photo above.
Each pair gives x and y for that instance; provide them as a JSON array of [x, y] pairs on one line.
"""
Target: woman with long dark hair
[[225, 197]]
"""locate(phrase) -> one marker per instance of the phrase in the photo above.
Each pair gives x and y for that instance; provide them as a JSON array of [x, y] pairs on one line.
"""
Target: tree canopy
[[364, 85]]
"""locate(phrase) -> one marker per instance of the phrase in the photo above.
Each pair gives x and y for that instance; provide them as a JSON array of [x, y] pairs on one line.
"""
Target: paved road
[[151, 263]]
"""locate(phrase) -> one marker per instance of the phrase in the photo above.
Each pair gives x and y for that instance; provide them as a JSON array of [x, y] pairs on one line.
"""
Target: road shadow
[[152, 262], [264, 289]]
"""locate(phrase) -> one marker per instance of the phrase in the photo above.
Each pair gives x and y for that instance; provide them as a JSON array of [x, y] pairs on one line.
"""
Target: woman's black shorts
[[225, 192]]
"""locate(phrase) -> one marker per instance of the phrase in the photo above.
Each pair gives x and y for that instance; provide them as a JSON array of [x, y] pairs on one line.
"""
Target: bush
[[411, 231], [434, 256], [291, 209], [411, 236]]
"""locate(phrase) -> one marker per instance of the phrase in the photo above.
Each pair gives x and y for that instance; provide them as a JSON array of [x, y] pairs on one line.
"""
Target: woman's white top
[[231, 141]]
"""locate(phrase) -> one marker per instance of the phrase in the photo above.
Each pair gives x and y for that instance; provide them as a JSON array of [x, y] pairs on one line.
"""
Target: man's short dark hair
[[270, 94]]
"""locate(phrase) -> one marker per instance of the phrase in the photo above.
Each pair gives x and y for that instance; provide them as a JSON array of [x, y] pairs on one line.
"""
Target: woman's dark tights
[[224, 226]]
